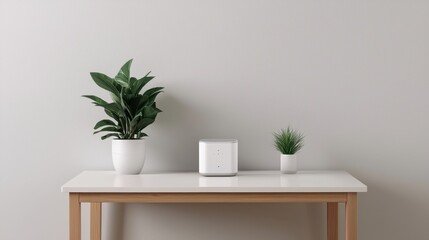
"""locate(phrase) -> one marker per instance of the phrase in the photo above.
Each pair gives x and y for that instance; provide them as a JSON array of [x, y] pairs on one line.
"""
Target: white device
[[218, 157]]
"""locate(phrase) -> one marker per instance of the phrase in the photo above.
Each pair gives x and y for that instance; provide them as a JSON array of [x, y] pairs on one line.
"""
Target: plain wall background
[[351, 75]]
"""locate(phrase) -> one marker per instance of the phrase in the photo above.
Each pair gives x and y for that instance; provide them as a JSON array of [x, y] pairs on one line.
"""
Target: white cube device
[[218, 157]]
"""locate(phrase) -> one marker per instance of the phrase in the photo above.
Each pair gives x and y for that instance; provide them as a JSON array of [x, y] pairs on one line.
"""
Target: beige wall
[[351, 75]]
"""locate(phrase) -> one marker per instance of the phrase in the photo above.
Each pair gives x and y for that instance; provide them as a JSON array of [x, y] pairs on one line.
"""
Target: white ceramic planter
[[288, 164], [128, 155]]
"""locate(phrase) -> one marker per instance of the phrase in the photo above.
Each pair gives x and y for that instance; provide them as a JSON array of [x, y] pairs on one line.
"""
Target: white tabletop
[[245, 181]]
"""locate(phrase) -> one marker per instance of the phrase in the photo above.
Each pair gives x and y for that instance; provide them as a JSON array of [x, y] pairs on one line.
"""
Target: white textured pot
[[128, 155], [288, 163]]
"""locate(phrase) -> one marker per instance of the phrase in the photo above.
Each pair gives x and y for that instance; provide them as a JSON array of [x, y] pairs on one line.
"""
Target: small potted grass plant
[[288, 142], [130, 112]]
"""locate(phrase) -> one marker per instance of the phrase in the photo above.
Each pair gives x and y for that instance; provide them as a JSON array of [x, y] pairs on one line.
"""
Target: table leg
[[332, 220], [74, 216], [95, 225], [351, 216]]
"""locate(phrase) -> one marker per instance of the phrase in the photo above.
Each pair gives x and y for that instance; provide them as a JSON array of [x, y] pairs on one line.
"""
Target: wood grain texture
[[74, 217], [332, 221], [95, 223], [213, 197], [351, 216]]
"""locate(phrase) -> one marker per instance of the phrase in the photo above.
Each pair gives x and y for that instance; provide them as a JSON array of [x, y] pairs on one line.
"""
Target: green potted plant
[[288, 142], [129, 112]]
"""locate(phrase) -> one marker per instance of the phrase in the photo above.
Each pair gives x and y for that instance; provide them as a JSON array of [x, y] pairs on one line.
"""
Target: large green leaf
[[137, 87], [150, 102], [105, 82], [110, 135], [136, 119], [113, 107], [133, 102], [123, 124], [157, 109], [125, 105], [95, 99], [104, 122], [122, 83], [108, 129], [141, 134], [144, 123], [132, 82], [112, 115], [124, 74], [141, 103], [134, 124], [152, 91], [152, 97], [149, 112], [117, 86], [115, 98]]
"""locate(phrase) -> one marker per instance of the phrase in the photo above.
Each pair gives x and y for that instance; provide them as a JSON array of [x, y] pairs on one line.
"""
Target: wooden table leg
[[332, 220], [95, 225], [351, 216], [74, 217]]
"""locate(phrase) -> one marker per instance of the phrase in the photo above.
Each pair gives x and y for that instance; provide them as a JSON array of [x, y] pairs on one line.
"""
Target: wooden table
[[331, 187]]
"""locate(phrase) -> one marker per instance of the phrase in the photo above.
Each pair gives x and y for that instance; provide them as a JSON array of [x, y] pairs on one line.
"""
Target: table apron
[[269, 197]]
